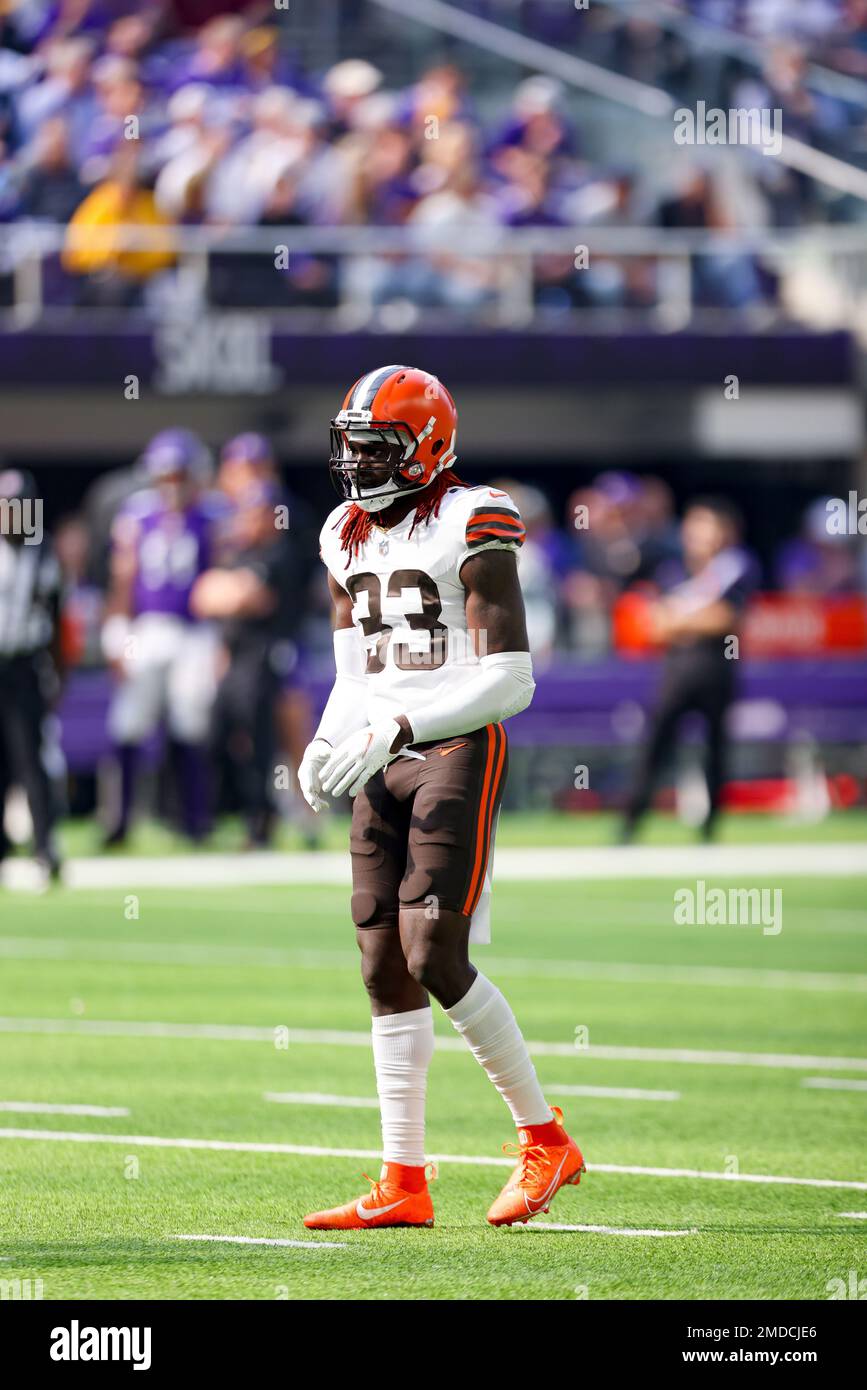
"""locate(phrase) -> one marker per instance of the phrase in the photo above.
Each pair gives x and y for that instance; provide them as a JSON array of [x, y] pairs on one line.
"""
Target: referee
[[29, 630], [695, 622]]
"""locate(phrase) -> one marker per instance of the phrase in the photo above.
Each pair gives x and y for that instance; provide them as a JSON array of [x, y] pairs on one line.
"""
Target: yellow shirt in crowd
[[108, 207]]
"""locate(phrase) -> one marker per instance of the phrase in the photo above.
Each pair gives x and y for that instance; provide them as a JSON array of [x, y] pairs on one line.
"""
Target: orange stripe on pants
[[490, 785]]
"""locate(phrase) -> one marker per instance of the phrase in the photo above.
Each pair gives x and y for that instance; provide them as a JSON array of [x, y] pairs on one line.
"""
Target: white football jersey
[[408, 599]]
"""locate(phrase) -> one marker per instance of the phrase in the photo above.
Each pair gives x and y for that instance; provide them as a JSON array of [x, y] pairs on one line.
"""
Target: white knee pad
[[137, 703], [192, 685]]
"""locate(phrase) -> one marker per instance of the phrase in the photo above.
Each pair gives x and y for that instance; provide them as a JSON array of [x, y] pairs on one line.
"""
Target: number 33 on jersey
[[408, 601]]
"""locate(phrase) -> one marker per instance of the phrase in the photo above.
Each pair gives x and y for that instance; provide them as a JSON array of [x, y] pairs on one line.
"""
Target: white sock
[[403, 1046], [484, 1019]]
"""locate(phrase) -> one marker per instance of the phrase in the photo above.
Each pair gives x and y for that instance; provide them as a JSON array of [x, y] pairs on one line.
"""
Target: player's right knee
[[384, 972], [129, 730], [190, 724], [369, 910]]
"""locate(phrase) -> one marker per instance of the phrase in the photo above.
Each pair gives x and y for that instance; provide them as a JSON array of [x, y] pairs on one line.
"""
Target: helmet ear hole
[[436, 446]]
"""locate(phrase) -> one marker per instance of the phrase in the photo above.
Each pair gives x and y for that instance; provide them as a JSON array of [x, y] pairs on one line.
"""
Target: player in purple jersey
[[163, 659]]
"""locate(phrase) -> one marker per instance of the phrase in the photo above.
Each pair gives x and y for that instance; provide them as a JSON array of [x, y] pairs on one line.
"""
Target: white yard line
[[605, 910], [563, 864], [213, 1032], [530, 1226], [265, 1240], [611, 1092], [854, 1215], [322, 1098], [153, 1141], [717, 976], [695, 1057], [832, 1083], [332, 1037], [602, 1230], [176, 953], [168, 953], [640, 1171], [39, 1107]]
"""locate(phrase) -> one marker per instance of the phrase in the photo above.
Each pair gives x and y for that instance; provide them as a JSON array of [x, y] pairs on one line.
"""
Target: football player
[[245, 460], [431, 655], [163, 660]]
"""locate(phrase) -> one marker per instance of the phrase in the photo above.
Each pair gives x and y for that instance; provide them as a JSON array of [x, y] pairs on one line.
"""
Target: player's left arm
[[494, 602], [497, 626]]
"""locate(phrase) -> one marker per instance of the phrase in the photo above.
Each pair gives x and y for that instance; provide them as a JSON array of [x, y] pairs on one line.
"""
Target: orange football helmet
[[407, 420]]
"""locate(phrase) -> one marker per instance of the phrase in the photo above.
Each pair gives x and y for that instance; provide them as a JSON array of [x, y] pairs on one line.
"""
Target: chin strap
[[355, 523], [379, 504]]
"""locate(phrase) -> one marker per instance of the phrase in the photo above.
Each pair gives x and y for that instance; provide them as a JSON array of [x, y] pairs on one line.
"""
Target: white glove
[[316, 755], [359, 757]]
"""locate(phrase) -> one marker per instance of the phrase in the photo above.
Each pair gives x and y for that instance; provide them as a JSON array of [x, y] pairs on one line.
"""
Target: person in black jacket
[[250, 596], [696, 621]]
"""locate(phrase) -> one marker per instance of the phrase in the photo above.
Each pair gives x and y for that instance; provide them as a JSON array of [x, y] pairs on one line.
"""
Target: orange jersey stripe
[[503, 533], [506, 518]]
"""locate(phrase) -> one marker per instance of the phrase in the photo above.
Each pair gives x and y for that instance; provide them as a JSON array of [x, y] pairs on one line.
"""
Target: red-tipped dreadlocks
[[356, 524]]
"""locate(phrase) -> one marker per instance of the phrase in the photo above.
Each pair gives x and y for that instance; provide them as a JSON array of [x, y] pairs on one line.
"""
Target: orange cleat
[[547, 1160], [399, 1198]]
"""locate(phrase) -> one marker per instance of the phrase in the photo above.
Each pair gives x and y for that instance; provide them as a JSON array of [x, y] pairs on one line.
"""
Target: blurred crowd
[[120, 113], [831, 32], [190, 599], [654, 46], [621, 533]]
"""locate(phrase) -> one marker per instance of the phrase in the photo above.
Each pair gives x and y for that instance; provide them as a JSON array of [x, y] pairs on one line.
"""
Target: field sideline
[[200, 1070], [545, 829]]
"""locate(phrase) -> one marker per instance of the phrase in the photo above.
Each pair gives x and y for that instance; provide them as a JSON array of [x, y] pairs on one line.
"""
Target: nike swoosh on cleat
[[368, 1213], [552, 1187], [444, 752]]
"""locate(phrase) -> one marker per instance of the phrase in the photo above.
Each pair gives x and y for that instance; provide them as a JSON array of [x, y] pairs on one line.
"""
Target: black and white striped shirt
[[29, 597]]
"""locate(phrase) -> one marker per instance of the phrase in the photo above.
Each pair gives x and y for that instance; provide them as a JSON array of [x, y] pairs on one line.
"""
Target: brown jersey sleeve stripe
[[497, 523], [486, 517], [493, 514]]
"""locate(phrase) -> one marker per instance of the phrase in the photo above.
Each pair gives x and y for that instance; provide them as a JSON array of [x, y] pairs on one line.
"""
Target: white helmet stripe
[[362, 396]]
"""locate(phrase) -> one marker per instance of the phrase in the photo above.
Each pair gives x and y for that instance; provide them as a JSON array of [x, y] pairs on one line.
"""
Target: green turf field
[[102, 1219], [516, 828]]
